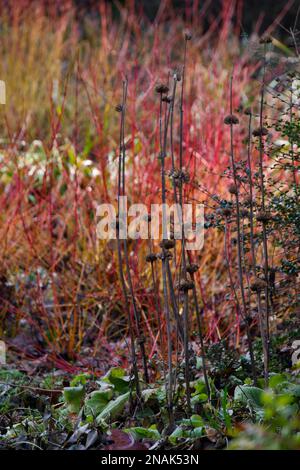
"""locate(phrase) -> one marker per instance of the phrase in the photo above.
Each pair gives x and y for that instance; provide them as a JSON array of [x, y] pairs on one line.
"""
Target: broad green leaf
[[178, 433], [113, 408], [144, 433], [249, 395], [276, 380], [197, 432], [196, 421], [97, 401], [116, 376], [74, 398]]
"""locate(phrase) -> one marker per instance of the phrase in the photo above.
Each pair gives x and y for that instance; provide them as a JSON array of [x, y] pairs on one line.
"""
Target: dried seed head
[[161, 88], [184, 285], [232, 188], [260, 131], [248, 111], [244, 213], [263, 217], [167, 98], [151, 257], [164, 255], [167, 244], [258, 285], [184, 175], [119, 108], [192, 268], [231, 119], [187, 35], [265, 40], [226, 211], [248, 200]]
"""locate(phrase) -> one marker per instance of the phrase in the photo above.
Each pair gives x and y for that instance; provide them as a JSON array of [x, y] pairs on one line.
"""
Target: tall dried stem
[[239, 248]]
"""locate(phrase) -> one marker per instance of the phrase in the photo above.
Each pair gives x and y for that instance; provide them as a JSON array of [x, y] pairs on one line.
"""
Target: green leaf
[[199, 398], [276, 380], [196, 421], [116, 376], [97, 401], [113, 408], [144, 433], [178, 433], [249, 395], [197, 432], [74, 397]]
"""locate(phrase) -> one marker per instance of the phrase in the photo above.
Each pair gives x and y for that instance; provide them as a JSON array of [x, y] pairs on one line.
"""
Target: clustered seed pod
[[258, 285], [192, 268], [231, 119], [167, 244], [244, 213], [232, 188], [248, 111], [184, 175], [265, 40], [161, 88], [167, 99], [119, 108], [151, 257], [164, 255], [263, 217], [226, 211], [260, 131], [248, 200], [184, 285], [187, 35], [179, 176]]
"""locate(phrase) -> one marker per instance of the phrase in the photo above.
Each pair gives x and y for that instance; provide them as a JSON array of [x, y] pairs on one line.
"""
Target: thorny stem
[[240, 266], [140, 338]]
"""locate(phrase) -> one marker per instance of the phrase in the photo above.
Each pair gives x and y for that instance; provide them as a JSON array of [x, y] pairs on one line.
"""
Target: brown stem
[[239, 257], [120, 265], [140, 338], [164, 276], [264, 230], [183, 259], [253, 255]]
